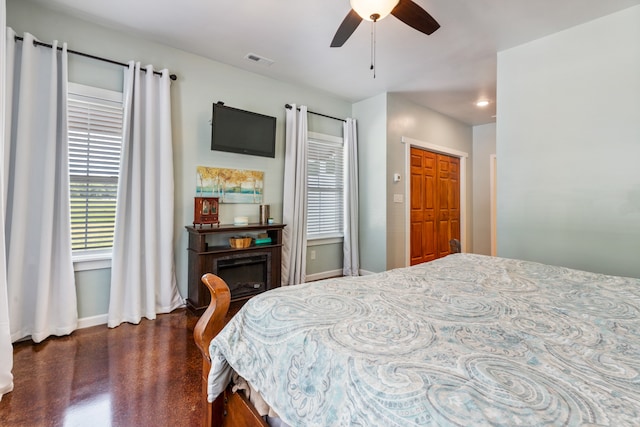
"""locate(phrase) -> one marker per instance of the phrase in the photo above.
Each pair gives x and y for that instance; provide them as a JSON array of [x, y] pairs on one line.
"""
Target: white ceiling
[[447, 71]]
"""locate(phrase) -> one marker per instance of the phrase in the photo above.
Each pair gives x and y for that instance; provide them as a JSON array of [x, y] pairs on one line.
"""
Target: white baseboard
[[332, 273], [102, 319], [323, 275], [87, 322]]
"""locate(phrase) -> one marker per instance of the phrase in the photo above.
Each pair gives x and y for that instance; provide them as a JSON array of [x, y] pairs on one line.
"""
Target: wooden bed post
[[210, 323]]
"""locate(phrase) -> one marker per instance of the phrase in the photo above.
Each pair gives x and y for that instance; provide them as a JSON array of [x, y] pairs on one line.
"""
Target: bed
[[463, 340]]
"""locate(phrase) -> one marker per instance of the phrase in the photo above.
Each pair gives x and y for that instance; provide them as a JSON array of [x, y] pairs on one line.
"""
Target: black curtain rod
[[289, 107], [86, 55]]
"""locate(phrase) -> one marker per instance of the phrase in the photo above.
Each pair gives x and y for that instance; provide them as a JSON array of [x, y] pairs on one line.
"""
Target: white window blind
[[325, 187], [95, 144]]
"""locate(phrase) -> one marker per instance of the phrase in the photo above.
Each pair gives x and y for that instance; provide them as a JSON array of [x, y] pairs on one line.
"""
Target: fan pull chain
[[374, 19]]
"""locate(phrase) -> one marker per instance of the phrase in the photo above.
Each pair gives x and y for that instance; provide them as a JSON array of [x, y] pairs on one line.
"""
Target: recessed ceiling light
[[482, 103]]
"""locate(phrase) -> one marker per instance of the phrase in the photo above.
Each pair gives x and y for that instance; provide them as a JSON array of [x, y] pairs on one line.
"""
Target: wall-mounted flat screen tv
[[239, 131]]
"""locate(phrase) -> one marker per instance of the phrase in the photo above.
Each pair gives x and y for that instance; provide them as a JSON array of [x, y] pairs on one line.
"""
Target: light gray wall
[[92, 291], [407, 119], [484, 145], [382, 122], [328, 260], [371, 116], [568, 146], [201, 82]]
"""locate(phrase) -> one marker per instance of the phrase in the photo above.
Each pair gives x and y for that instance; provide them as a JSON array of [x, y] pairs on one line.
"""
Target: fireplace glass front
[[246, 274]]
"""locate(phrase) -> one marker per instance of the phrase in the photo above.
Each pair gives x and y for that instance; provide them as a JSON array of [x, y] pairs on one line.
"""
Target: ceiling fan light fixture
[[368, 8]]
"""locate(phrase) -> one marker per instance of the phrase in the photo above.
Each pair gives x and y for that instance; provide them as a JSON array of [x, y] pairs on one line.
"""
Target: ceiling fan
[[373, 10]]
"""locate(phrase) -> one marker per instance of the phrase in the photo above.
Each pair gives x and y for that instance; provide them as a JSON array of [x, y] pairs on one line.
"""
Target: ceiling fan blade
[[347, 28], [415, 16]]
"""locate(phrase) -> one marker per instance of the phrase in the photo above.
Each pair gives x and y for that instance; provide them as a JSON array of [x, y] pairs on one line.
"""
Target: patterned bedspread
[[465, 340]]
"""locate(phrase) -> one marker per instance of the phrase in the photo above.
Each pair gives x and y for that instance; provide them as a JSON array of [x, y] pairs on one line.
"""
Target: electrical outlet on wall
[[313, 254]]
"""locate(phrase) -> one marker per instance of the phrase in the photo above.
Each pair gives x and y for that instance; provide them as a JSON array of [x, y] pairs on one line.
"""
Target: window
[[325, 186], [95, 143]]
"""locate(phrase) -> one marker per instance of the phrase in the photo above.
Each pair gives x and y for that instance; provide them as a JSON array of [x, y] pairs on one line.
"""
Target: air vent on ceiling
[[259, 59]]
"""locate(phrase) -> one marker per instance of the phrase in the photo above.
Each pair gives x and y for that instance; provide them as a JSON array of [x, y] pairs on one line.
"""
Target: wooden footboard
[[229, 409]]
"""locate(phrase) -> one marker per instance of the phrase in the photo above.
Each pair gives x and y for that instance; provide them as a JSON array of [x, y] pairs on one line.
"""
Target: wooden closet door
[[434, 204]]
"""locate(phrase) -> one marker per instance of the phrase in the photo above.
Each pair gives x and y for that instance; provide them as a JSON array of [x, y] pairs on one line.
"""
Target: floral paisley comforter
[[464, 340]]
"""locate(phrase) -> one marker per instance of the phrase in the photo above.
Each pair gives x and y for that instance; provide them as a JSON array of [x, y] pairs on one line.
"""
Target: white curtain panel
[[40, 280], [143, 280], [6, 350], [294, 203], [351, 263]]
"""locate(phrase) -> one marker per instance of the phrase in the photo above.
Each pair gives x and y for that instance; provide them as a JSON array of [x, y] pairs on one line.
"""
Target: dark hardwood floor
[[133, 375]]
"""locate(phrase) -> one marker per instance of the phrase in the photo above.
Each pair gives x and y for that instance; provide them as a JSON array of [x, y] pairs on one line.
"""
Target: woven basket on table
[[240, 242]]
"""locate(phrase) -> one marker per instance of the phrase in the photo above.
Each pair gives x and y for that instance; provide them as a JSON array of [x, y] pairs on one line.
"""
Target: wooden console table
[[203, 255]]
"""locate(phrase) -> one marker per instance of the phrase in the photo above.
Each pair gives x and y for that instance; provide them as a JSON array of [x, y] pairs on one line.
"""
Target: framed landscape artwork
[[230, 185]]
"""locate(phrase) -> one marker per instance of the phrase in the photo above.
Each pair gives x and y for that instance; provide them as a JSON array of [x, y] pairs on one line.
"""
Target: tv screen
[[244, 132]]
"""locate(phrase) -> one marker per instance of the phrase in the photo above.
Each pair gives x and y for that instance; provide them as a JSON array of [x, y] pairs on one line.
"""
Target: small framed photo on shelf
[[205, 211]]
